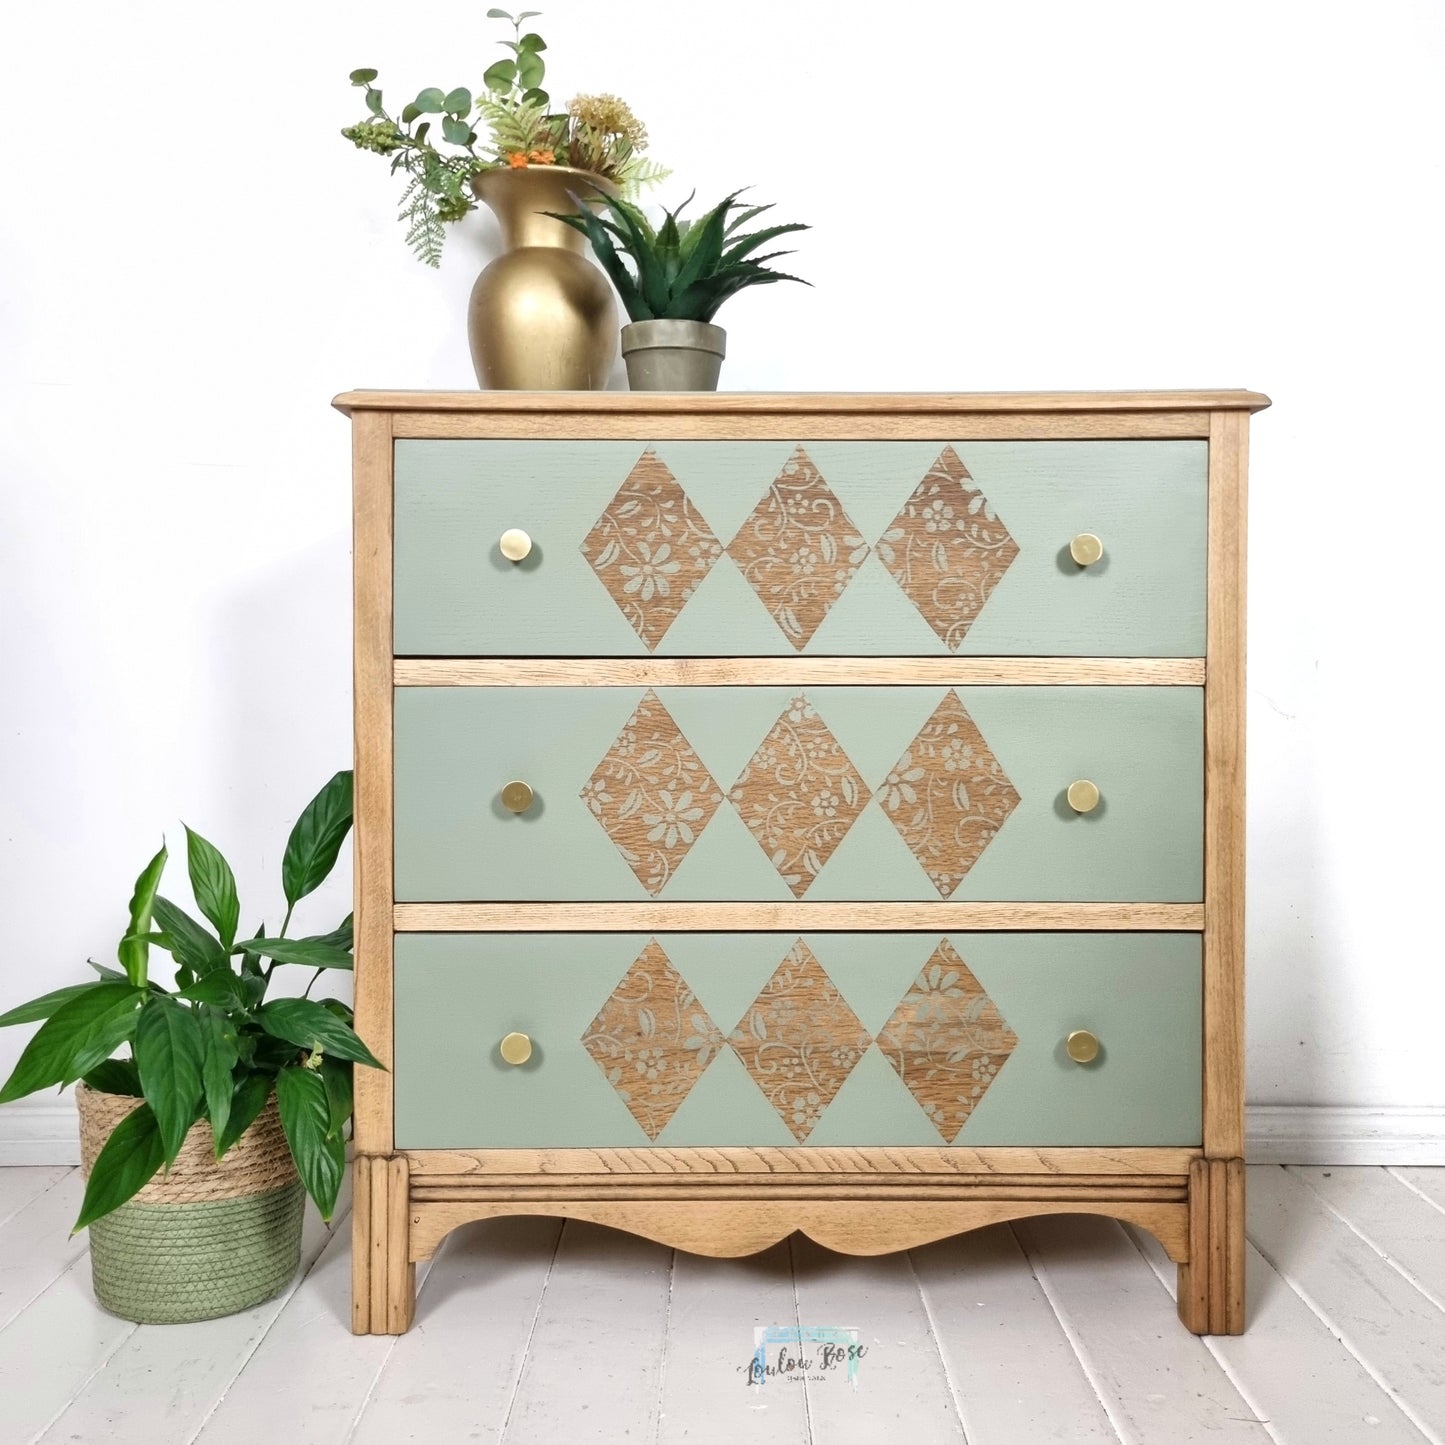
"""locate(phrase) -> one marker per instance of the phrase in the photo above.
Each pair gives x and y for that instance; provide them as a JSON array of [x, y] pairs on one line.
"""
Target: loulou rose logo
[[803, 1352]]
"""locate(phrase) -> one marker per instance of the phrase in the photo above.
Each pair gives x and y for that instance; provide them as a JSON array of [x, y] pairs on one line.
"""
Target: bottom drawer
[[760, 1039]]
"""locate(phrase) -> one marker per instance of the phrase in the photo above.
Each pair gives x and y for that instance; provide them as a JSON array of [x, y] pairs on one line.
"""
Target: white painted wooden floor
[[527, 1332]]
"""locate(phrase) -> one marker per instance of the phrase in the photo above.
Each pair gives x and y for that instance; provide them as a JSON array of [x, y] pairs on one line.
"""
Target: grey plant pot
[[673, 355]]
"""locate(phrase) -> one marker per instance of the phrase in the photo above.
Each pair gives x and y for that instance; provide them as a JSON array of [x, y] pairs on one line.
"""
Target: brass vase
[[542, 316]]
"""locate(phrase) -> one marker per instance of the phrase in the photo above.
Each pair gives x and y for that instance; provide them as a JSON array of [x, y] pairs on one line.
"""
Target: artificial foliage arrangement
[[213, 1047], [680, 270], [510, 123]]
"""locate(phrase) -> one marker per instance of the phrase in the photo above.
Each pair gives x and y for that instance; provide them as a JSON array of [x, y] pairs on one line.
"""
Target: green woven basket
[[206, 1239]]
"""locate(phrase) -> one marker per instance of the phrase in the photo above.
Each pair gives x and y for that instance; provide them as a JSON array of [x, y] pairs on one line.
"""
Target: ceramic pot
[[542, 316], [673, 355]]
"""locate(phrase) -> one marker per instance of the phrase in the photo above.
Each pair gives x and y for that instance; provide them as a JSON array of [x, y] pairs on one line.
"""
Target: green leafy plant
[[682, 270], [509, 123], [214, 1046]]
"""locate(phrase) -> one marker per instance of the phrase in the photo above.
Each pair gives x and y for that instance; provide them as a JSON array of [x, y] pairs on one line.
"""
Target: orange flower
[[517, 160], [543, 158]]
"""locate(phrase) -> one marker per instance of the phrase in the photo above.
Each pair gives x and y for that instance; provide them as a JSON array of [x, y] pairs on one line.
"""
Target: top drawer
[[696, 549]]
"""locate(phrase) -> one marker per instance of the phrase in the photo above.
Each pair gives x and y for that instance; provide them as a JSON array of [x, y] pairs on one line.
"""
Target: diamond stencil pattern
[[650, 548], [947, 1041], [652, 1040], [798, 549], [947, 549], [799, 1040], [948, 795], [652, 794], [799, 794]]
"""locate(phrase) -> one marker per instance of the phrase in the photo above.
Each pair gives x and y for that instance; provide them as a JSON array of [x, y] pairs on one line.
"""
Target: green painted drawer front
[[771, 793], [751, 548], [776, 1039]]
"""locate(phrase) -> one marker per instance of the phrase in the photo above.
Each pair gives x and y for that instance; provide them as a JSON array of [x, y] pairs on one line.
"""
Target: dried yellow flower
[[611, 115]]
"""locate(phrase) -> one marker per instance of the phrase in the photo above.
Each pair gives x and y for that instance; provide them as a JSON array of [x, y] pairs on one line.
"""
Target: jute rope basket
[[207, 1238]]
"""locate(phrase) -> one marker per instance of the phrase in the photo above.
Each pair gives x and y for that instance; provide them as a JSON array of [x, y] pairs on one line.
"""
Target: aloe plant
[[682, 270], [213, 1047]]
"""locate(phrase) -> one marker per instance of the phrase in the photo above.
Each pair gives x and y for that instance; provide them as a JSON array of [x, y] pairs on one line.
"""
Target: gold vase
[[542, 316]]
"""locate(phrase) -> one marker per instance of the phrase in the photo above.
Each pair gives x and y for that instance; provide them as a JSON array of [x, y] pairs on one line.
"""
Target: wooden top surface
[[924, 403]]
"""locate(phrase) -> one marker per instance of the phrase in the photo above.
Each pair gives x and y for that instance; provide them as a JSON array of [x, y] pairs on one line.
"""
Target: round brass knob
[[1083, 796], [1083, 1047], [1086, 549], [515, 1048], [517, 797], [515, 544]]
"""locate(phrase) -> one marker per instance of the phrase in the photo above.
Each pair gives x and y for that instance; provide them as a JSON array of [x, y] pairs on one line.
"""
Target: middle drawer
[[824, 793]]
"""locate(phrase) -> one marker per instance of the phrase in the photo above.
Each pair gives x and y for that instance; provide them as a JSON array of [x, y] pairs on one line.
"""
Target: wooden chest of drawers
[[800, 812]]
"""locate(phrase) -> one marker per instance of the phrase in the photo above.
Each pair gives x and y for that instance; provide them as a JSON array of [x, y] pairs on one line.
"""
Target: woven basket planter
[[206, 1238]]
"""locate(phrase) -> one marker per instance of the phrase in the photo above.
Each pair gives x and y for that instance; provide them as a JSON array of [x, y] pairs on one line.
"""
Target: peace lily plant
[[213, 1046]]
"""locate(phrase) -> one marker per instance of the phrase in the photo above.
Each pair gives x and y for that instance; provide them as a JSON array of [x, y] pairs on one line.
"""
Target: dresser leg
[[1211, 1285], [383, 1280]]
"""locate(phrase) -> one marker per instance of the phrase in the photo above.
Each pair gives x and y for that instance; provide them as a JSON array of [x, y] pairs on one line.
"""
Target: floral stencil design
[[799, 795], [650, 549], [799, 1040], [652, 794], [947, 549], [947, 795], [652, 1040], [947, 1041], [798, 549]]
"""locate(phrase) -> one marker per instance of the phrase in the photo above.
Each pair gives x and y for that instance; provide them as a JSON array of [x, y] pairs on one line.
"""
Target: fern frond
[[425, 232], [638, 172]]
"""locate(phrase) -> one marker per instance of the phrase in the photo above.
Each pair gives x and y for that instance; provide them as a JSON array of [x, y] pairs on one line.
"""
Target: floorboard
[[902, 1389], [1158, 1383], [1015, 1374], [19, 1185], [594, 1368], [463, 1356], [36, 1246], [706, 1394], [1394, 1330]]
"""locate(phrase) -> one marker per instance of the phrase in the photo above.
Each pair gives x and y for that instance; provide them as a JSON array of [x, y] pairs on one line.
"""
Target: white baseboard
[[44, 1131], [1323, 1134], [39, 1131]]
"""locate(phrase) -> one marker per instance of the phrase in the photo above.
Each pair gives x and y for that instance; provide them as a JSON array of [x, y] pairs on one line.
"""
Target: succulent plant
[[682, 270]]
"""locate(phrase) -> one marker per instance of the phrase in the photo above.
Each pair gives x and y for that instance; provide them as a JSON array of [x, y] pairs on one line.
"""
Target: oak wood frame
[[862, 1201]]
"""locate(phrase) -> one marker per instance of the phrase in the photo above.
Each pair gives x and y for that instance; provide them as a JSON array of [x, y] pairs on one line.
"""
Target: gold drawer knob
[[1086, 549], [515, 1048], [1083, 1047], [515, 544], [517, 796], [1083, 796]]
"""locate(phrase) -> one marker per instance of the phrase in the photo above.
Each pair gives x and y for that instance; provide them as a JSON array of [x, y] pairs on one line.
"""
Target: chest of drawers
[[813, 813]]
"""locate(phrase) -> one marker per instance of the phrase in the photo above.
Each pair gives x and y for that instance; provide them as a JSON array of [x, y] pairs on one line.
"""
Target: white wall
[[1046, 195]]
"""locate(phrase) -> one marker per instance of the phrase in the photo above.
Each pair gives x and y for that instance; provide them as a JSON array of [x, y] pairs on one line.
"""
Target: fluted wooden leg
[[383, 1279], [1211, 1285]]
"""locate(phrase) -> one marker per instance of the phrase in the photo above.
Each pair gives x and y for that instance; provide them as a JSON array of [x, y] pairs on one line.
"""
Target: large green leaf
[[115, 1031], [168, 1053], [309, 952], [320, 1155], [124, 1167], [48, 1057], [311, 1025], [134, 950], [193, 946], [218, 1037], [247, 1101], [340, 937], [220, 987], [115, 1076], [45, 1005], [336, 1075], [317, 837], [214, 886]]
